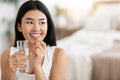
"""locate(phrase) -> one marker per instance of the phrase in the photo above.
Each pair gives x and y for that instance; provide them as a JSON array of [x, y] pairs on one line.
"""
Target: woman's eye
[[41, 22], [29, 22]]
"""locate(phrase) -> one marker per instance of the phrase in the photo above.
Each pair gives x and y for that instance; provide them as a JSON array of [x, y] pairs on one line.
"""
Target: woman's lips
[[35, 35]]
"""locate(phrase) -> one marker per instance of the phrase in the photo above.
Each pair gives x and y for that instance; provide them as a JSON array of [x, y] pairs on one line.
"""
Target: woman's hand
[[17, 60], [38, 53]]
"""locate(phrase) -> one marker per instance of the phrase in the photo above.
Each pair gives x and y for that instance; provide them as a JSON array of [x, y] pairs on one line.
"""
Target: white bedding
[[80, 46]]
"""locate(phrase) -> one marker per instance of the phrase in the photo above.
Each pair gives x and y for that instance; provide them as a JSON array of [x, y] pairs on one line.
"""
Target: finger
[[21, 53], [43, 44], [38, 49], [40, 43], [36, 42], [21, 65], [12, 66], [39, 52], [21, 59], [17, 60], [18, 54]]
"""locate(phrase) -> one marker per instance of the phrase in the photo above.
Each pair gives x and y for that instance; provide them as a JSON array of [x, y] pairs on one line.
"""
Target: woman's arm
[[37, 55], [39, 73], [59, 65], [5, 75], [4, 65]]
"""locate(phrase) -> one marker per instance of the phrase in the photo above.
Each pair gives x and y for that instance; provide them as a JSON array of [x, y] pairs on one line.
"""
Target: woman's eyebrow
[[33, 19], [41, 19], [29, 19]]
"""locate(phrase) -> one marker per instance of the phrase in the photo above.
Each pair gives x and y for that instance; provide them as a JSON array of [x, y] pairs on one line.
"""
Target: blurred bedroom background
[[89, 31]]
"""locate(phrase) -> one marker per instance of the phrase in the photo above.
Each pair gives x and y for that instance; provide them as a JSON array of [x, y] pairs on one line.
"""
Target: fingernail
[[22, 52]]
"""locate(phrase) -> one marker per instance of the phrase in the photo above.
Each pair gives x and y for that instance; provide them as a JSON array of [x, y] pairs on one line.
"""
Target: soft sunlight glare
[[75, 4], [72, 4]]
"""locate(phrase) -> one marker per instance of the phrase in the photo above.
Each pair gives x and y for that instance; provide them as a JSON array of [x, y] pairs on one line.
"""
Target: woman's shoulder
[[5, 53], [59, 50], [60, 54]]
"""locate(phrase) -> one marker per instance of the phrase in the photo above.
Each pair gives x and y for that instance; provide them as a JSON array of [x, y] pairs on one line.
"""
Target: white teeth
[[35, 35]]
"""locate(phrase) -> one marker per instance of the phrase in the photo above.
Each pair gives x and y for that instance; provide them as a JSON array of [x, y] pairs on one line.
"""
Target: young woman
[[46, 60]]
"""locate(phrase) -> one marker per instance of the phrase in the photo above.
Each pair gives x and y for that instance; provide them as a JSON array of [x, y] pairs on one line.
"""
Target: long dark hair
[[50, 38]]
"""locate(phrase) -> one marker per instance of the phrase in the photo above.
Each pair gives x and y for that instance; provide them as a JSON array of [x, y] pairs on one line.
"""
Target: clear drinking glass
[[23, 45]]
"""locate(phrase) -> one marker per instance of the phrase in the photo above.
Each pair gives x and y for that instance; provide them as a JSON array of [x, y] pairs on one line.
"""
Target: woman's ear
[[19, 27]]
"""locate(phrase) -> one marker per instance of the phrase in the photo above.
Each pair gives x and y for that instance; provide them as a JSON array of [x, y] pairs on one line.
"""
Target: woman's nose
[[36, 26]]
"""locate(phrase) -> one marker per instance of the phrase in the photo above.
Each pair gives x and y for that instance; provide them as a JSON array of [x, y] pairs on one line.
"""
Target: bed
[[80, 46]]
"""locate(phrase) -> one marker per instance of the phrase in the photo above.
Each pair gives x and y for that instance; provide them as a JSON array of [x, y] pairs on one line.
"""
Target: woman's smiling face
[[33, 25]]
